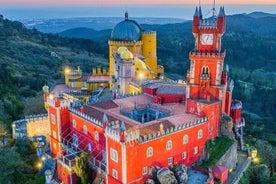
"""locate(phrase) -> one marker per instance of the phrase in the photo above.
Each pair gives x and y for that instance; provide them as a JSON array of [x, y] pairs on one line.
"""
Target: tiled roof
[[83, 78], [171, 89], [101, 78], [155, 127], [106, 105]]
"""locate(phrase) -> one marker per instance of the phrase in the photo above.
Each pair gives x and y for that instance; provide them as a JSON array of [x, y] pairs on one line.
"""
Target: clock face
[[207, 39]]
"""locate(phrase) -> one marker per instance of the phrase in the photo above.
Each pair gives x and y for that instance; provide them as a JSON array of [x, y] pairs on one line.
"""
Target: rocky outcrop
[[226, 126], [230, 157]]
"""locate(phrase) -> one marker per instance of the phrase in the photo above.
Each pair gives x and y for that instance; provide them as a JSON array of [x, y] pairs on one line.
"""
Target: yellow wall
[[134, 89], [149, 49]]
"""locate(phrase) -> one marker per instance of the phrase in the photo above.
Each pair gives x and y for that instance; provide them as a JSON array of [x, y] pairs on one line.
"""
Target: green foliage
[[82, 168], [216, 149]]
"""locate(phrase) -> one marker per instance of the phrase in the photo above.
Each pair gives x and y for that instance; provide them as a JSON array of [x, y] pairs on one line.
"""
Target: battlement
[[208, 23], [125, 43], [236, 104], [196, 53], [149, 32], [172, 130], [36, 117], [86, 117]]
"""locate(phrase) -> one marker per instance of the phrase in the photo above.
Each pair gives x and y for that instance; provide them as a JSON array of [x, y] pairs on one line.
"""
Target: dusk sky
[[135, 2], [35, 9]]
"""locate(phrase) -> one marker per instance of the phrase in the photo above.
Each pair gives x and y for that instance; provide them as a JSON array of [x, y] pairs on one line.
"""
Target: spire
[[105, 119], [223, 12], [220, 12], [126, 15], [200, 12], [122, 127], [196, 13]]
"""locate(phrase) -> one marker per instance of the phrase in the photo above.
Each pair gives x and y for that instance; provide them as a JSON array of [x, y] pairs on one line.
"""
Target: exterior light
[[39, 165], [67, 70], [254, 153], [141, 75], [51, 96]]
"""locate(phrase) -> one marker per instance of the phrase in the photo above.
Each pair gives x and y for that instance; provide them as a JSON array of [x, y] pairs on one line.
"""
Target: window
[[145, 170], [170, 160], [74, 123], [184, 155], [169, 145], [89, 147], [96, 134], [55, 145], [75, 140], [149, 152], [54, 134], [84, 129], [113, 155], [53, 119], [185, 139], [205, 70], [200, 134], [115, 173], [195, 150]]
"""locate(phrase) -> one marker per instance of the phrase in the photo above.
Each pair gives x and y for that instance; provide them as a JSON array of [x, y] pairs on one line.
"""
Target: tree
[[3, 132], [82, 168]]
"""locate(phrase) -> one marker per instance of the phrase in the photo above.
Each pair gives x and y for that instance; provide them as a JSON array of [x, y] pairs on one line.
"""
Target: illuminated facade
[[126, 135]]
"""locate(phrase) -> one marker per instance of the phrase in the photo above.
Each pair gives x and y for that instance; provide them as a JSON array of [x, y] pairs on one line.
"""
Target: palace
[[151, 121]]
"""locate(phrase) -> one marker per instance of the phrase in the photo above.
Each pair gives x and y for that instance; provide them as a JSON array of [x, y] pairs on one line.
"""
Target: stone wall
[[226, 126], [230, 157], [38, 125]]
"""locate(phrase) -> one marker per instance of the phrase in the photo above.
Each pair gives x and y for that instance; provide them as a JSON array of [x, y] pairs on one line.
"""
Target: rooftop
[[112, 109]]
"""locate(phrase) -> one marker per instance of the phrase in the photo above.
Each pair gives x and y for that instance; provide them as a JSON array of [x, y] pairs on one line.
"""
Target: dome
[[126, 55], [121, 49], [126, 30]]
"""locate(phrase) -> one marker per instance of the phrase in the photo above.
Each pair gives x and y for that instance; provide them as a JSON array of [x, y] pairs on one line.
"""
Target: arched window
[[96, 134], [169, 145], [149, 152], [84, 129], [75, 140], [74, 123], [89, 147], [200, 134], [185, 139], [205, 70]]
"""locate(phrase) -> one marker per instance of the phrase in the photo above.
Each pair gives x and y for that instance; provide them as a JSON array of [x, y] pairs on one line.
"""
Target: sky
[[52, 2], [52, 9]]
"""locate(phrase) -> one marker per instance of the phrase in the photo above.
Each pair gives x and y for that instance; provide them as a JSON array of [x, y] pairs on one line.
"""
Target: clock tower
[[206, 78]]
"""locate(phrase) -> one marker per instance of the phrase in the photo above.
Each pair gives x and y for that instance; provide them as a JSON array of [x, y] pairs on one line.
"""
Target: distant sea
[[168, 11]]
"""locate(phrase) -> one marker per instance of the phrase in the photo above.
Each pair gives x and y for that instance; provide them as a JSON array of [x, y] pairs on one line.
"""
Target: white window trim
[[145, 170], [53, 119], [96, 134], [169, 145], [185, 139], [199, 134], [113, 155], [184, 155], [149, 152], [115, 173], [84, 129], [74, 123], [54, 134], [170, 160], [195, 150]]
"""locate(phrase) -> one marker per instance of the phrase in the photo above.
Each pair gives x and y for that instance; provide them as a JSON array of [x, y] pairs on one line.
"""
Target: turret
[[236, 109], [104, 121], [221, 21], [196, 20], [122, 132]]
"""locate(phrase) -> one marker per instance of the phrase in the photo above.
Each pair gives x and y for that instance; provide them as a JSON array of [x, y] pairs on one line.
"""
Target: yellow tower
[[149, 50]]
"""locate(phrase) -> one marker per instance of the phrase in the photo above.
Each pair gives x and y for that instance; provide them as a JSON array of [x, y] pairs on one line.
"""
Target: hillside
[[30, 59]]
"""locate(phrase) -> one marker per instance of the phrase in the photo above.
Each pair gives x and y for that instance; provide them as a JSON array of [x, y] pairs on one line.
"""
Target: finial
[[196, 13], [123, 126], [126, 15], [214, 10]]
